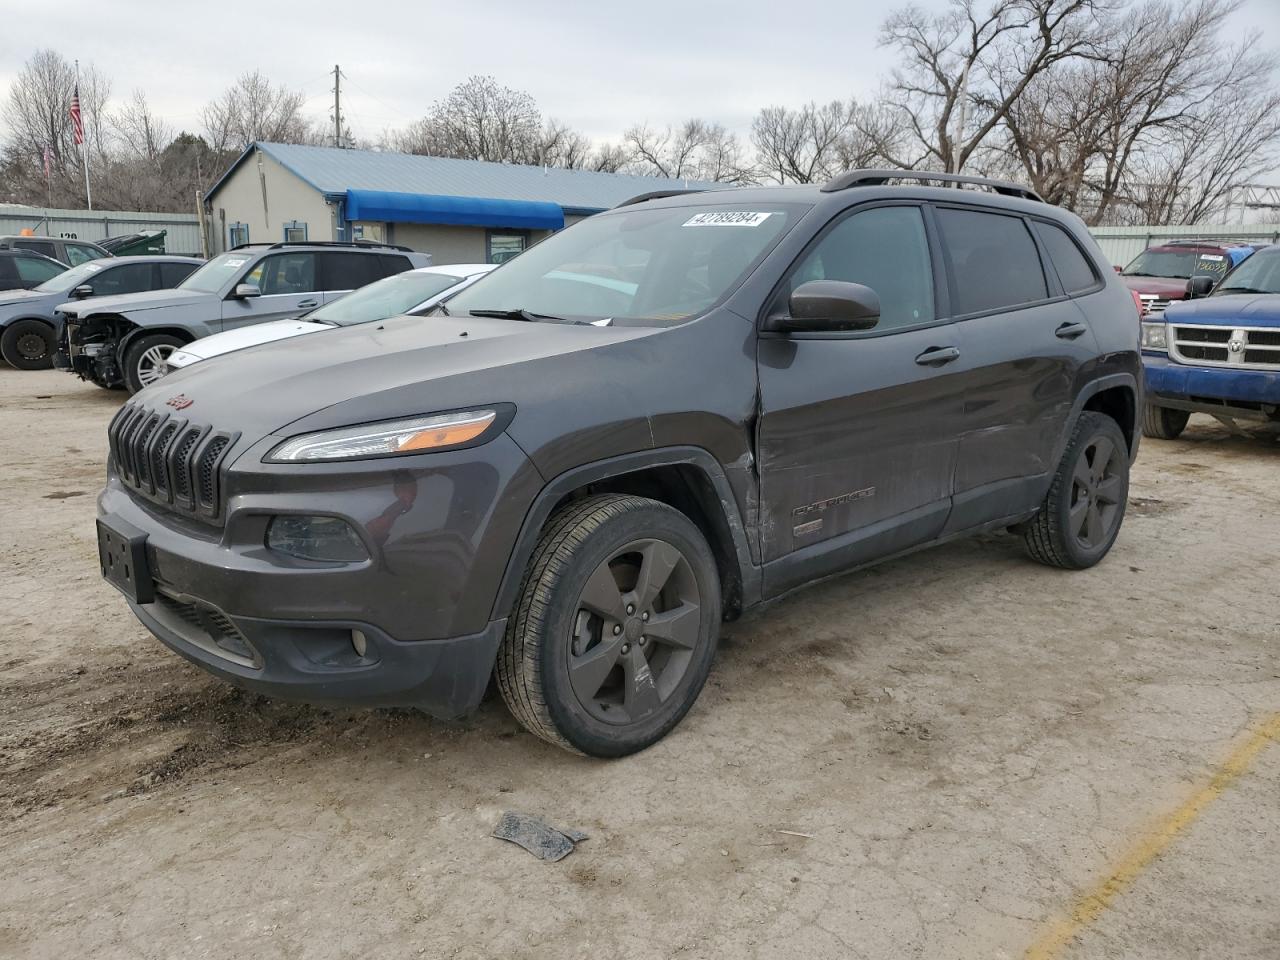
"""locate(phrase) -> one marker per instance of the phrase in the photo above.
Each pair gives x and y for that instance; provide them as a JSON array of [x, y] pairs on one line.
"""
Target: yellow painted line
[[1089, 906]]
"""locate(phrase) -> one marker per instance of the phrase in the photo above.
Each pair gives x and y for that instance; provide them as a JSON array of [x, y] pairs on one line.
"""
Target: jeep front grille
[[1250, 348], [169, 460]]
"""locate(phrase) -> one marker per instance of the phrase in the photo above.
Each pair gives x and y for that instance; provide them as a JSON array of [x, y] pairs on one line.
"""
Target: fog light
[[315, 538], [359, 642]]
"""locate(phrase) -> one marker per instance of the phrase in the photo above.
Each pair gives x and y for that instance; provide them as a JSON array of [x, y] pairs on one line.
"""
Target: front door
[[857, 435], [290, 287]]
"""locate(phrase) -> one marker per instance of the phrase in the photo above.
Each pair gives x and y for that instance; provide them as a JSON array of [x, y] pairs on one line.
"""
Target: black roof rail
[[876, 178], [657, 195], [282, 244]]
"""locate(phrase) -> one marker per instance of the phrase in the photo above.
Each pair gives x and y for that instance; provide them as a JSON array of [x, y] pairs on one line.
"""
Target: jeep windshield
[[1259, 274], [639, 264], [1175, 264], [215, 274]]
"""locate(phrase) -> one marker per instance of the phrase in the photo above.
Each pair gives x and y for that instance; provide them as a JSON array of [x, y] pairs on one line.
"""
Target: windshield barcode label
[[732, 218]]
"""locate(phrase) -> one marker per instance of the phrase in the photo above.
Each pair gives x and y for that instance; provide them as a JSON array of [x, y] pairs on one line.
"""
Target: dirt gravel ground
[[990, 759]]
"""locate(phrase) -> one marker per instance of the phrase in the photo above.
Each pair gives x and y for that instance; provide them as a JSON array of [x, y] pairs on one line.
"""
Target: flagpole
[[84, 144]]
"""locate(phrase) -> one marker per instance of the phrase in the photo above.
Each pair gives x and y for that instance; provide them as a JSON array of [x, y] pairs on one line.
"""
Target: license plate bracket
[[122, 553]]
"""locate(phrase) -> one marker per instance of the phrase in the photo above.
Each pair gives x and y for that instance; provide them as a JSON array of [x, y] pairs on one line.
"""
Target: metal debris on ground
[[537, 836]]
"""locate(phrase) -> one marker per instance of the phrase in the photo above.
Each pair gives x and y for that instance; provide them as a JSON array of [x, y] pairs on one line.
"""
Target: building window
[[502, 245], [237, 234], [295, 231]]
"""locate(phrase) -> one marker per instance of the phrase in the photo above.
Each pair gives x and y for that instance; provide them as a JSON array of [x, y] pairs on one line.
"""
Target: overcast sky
[[599, 66]]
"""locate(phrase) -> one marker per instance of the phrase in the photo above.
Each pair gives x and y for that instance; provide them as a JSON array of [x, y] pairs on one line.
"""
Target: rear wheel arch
[[1116, 396], [689, 479]]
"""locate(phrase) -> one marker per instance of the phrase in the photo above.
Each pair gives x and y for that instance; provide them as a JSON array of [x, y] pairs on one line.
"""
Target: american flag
[[77, 121]]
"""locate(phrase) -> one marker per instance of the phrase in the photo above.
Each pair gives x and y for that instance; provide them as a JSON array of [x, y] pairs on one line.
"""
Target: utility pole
[[963, 110], [337, 105]]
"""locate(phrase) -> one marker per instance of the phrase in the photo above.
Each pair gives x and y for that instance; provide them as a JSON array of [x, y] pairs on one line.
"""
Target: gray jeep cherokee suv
[[123, 341], [646, 423]]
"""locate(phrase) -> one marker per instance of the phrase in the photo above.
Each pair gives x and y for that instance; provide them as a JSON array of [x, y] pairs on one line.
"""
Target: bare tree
[[818, 141], [481, 120], [693, 150], [254, 109], [964, 69], [140, 132]]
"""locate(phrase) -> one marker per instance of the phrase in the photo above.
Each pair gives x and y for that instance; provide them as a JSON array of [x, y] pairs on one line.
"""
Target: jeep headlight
[[391, 438], [1154, 336]]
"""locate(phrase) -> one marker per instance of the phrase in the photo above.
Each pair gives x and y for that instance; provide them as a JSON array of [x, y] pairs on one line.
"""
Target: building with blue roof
[[459, 211]]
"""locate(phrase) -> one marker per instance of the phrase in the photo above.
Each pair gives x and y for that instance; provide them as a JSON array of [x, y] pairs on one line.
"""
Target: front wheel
[[1163, 423], [144, 360], [28, 345], [1082, 512], [615, 628]]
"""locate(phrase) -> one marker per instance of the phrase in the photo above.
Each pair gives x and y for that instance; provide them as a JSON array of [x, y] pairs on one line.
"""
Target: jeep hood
[[1228, 309], [134, 302], [408, 366]]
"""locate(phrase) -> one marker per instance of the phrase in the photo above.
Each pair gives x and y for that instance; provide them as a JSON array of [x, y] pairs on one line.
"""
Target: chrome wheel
[[635, 630], [152, 363]]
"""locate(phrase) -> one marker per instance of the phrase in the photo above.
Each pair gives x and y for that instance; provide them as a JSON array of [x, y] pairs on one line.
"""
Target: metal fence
[[1122, 244], [183, 230]]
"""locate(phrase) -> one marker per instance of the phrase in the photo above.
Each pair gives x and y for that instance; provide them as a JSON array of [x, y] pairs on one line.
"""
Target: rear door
[[290, 286], [857, 434], [1025, 341]]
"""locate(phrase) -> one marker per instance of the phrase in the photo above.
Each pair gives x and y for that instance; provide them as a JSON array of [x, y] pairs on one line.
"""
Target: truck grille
[[169, 460], [1153, 306], [1247, 347]]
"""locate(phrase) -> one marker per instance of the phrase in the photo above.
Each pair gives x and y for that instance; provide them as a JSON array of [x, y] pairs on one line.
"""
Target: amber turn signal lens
[[446, 436]]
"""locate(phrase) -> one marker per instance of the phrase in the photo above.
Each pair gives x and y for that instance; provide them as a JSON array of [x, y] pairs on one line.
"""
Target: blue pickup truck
[[1217, 352]]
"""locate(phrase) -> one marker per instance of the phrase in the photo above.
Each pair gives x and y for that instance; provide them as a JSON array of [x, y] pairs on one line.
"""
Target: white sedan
[[411, 292]]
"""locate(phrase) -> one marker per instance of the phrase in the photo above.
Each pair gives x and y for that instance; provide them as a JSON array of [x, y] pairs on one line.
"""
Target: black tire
[[28, 345], [585, 551], [139, 358], [1163, 423], [1084, 508]]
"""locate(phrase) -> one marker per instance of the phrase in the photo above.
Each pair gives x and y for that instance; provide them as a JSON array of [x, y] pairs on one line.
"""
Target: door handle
[[937, 356], [307, 303], [1069, 331]]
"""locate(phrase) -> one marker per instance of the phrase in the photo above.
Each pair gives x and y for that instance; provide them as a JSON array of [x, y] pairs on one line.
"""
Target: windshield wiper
[[520, 313], [1241, 290]]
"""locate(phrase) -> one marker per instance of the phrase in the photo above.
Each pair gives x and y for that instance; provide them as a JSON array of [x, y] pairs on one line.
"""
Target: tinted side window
[[1073, 269], [128, 278], [885, 249], [391, 263], [39, 246], [172, 274], [7, 273], [348, 271], [994, 259], [35, 270], [284, 273]]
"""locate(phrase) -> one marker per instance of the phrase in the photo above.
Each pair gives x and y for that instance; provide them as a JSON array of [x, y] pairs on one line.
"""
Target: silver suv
[[124, 341]]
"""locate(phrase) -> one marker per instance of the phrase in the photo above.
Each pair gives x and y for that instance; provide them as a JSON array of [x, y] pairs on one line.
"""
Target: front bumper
[[1209, 388], [439, 531]]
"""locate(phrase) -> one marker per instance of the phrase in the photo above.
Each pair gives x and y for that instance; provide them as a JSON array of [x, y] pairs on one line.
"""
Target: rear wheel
[[615, 628], [28, 345], [1083, 510], [144, 359], [1163, 423]]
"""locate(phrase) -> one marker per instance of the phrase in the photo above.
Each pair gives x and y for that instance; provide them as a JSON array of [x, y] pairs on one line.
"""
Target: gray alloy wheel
[[615, 628], [1084, 508], [635, 631], [1096, 487]]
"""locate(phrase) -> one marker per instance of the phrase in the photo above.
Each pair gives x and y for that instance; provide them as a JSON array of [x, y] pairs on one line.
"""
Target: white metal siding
[[183, 230], [1122, 244]]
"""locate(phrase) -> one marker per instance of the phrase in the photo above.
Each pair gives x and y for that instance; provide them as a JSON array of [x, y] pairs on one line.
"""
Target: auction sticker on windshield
[[728, 218]]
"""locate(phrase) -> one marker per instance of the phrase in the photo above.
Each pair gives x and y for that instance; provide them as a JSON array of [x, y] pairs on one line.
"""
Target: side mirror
[[821, 306], [244, 291], [1199, 287], [1117, 268], [82, 291]]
